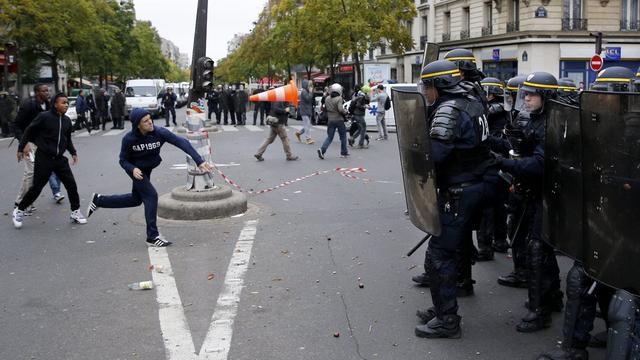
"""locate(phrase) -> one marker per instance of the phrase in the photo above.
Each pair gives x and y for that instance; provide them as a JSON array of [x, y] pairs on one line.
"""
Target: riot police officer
[[511, 93], [567, 91], [527, 168], [492, 234], [465, 175], [584, 293]]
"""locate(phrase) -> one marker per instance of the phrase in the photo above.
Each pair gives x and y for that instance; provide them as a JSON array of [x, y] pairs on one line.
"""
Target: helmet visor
[[529, 100], [612, 86]]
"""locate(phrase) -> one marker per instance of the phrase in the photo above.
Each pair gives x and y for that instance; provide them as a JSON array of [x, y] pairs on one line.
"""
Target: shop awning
[[321, 78]]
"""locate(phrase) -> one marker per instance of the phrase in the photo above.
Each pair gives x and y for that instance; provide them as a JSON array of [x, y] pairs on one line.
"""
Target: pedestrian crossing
[[222, 129]]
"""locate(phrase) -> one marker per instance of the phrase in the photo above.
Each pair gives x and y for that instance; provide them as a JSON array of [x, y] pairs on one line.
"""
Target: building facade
[[511, 37]]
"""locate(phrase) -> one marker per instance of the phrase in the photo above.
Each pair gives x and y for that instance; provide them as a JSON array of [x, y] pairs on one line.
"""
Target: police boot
[[426, 315], [514, 279], [555, 303], [422, 279], [623, 312], [534, 321], [565, 354], [465, 287], [447, 326], [485, 255], [500, 246]]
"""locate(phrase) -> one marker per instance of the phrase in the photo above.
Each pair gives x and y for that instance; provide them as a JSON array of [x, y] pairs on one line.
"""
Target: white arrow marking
[[184, 166], [173, 322]]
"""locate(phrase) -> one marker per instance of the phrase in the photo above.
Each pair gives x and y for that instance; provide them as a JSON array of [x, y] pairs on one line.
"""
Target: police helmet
[[493, 86], [615, 78], [463, 58], [540, 83], [336, 88], [566, 85], [440, 74], [514, 84]]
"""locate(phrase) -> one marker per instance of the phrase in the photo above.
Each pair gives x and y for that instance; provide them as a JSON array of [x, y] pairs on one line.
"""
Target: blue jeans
[[342, 132], [362, 129], [142, 192], [54, 183], [306, 126]]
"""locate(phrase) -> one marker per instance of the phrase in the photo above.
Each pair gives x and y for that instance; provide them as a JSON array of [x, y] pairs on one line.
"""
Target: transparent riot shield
[[562, 200], [610, 125], [415, 159], [430, 54]]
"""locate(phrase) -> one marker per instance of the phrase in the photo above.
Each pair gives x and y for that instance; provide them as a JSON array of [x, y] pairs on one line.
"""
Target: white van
[[389, 117], [143, 93]]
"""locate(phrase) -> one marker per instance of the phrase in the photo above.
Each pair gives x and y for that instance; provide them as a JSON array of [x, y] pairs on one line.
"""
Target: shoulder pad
[[495, 108], [444, 121]]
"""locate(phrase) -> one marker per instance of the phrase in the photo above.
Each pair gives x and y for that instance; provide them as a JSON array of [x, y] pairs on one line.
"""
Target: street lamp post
[[199, 47]]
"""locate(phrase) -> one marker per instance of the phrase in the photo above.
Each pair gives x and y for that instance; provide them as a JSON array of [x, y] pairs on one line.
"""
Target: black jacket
[[278, 110], [51, 132], [27, 113]]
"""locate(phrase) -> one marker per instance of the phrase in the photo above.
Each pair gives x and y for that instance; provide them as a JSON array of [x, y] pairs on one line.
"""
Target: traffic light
[[204, 68]]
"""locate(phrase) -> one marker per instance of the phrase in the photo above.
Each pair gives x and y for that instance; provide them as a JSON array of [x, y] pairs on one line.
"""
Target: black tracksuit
[[51, 132]]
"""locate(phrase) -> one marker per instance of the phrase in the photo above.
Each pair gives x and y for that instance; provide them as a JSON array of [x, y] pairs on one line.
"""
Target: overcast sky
[[175, 20]]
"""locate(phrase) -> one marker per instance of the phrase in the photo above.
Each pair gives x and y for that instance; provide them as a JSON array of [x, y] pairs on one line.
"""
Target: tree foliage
[[92, 37], [318, 33]]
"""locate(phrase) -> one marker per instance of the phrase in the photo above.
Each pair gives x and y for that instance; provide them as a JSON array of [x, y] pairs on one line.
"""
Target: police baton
[[424, 240]]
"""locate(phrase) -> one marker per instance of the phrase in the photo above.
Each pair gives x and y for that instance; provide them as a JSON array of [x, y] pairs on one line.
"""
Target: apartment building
[[510, 37]]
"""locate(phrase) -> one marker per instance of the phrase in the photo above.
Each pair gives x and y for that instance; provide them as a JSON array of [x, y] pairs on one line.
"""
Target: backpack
[[352, 105], [387, 103]]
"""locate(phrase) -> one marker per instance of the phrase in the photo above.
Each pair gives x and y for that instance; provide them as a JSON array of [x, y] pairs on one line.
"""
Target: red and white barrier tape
[[346, 172]]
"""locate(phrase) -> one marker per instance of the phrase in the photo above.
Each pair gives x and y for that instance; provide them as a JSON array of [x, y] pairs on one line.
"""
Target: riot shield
[[610, 125], [418, 170], [562, 200], [430, 54]]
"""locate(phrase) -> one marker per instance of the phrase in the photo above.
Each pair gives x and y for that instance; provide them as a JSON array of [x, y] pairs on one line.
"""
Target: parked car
[[71, 112], [370, 115]]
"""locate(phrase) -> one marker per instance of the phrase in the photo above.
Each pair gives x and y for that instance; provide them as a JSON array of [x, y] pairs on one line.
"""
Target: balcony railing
[[513, 26], [464, 34], [487, 30], [574, 24], [446, 36], [423, 41], [629, 25]]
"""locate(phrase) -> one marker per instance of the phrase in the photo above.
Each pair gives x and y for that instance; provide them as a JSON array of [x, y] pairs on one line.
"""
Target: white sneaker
[[30, 210], [77, 217], [17, 218], [58, 197]]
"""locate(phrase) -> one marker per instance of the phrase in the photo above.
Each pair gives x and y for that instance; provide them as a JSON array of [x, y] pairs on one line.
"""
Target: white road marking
[[7, 138], [323, 128], [229, 128], [183, 166], [253, 128], [217, 342], [114, 132], [173, 323], [83, 134], [178, 342], [297, 127]]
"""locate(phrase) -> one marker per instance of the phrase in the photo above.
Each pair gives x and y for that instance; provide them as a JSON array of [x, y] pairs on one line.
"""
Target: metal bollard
[[196, 179]]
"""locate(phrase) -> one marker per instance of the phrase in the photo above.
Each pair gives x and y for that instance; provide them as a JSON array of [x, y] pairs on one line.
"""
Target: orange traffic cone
[[288, 93]]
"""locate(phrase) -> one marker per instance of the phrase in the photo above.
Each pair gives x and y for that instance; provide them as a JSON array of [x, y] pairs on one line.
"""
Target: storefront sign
[[377, 73], [496, 55], [345, 68], [613, 53], [541, 12]]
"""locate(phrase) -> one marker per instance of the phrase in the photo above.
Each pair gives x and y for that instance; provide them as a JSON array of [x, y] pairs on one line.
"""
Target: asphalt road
[[64, 294]]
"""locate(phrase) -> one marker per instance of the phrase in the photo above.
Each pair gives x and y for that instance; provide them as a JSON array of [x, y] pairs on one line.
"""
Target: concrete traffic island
[[219, 202]]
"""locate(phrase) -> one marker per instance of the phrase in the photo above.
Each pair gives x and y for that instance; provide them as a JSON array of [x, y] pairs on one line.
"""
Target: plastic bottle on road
[[142, 285]]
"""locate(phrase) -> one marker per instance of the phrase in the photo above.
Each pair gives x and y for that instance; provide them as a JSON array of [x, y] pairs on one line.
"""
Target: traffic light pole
[[199, 49]]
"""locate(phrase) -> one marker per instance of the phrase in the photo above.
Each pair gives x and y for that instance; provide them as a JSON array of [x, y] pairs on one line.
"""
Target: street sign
[[613, 53], [496, 55], [596, 62]]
